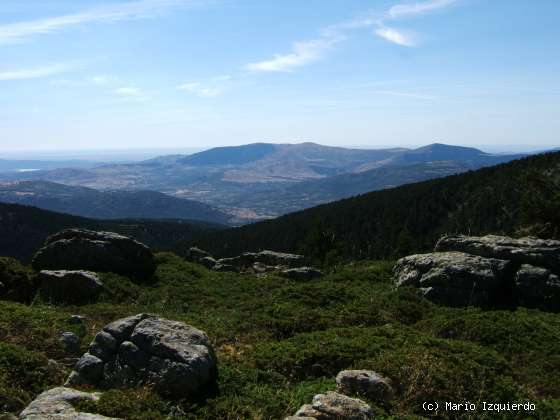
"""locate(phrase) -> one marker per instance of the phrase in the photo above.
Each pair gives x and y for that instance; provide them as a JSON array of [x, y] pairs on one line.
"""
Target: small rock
[[302, 273], [70, 341], [334, 406], [196, 254], [207, 262], [225, 268], [104, 346], [88, 369], [76, 319], [7, 416], [367, 383], [73, 287], [58, 403]]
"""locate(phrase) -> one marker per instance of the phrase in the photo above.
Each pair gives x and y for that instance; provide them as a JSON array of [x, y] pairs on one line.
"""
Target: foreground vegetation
[[280, 342]]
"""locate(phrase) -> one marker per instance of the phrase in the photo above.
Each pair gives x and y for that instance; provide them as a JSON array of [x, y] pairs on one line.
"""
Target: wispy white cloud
[[128, 92], [303, 52], [199, 90], [209, 88], [37, 72], [413, 9], [406, 94], [142, 9], [396, 37], [306, 52], [101, 80]]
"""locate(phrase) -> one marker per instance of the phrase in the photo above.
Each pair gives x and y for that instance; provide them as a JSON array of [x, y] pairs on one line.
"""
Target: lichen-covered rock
[[302, 273], [367, 383], [537, 287], [334, 406], [80, 249], [58, 404], [538, 252], [74, 287], [454, 278], [143, 349]]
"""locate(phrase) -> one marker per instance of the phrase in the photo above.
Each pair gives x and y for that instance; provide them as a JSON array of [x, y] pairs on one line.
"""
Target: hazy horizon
[[134, 74]]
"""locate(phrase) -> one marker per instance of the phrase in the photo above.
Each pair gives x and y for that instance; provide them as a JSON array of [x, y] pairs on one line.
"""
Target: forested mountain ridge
[[88, 202], [523, 194]]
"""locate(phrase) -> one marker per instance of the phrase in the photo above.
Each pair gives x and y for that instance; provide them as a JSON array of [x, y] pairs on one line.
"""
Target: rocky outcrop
[[80, 249], [486, 271], [58, 404], [72, 287], [453, 278], [257, 263], [302, 273], [533, 251], [367, 383], [176, 358], [334, 406]]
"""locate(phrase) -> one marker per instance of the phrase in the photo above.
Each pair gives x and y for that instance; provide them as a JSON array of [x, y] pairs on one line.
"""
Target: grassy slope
[[280, 342]]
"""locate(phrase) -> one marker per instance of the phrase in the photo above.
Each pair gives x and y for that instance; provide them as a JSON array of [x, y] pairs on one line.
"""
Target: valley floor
[[279, 342]]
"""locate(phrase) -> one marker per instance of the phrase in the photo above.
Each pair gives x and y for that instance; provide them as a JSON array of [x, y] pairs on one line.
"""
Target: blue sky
[[82, 74]]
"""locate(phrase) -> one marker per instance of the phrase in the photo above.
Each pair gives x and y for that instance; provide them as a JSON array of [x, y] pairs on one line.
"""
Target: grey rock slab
[[453, 278], [70, 286], [533, 251], [367, 383], [58, 404]]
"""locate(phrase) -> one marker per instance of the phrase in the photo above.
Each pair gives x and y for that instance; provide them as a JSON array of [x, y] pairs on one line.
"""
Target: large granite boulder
[[454, 278], [58, 404], [80, 249], [537, 287], [334, 406], [144, 349], [533, 251], [72, 287], [367, 383]]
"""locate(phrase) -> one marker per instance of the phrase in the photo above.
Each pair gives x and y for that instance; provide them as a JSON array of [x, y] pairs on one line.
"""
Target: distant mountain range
[[261, 180], [87, 202]]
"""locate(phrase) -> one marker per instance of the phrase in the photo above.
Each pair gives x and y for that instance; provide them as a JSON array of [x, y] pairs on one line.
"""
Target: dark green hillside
[[389, 223], [23, 229]]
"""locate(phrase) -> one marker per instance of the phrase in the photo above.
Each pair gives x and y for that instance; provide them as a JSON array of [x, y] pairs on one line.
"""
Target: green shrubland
[[279, 342]]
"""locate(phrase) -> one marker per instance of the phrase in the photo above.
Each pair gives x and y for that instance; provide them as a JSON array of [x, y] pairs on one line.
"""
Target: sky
[[109, 74]]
